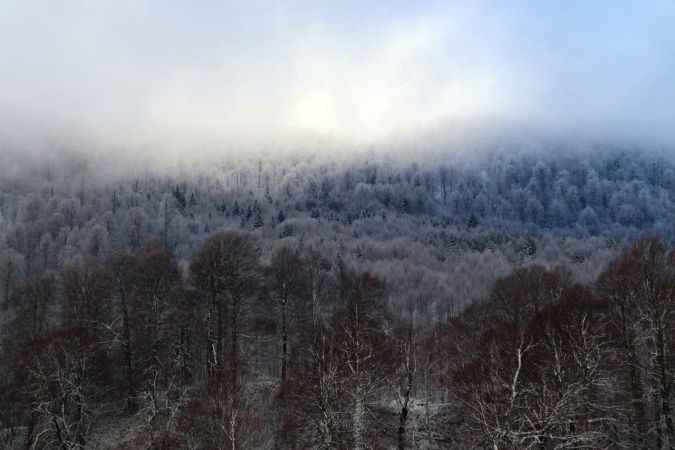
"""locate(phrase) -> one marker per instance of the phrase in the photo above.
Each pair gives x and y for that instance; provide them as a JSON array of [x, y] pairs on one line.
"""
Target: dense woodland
[[514, 300]]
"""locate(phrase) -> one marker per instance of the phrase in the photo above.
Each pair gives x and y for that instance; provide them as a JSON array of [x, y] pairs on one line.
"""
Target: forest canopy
[[514, 300]]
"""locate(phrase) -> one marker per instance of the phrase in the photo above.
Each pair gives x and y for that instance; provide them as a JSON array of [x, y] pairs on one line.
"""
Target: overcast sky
[[194, 75]]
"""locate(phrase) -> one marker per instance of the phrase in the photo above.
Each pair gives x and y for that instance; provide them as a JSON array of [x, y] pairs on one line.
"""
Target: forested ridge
[[512, 300]]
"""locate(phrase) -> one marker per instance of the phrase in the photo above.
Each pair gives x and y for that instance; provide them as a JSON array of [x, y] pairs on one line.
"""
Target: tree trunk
[[665, 392], [359, 417], [636, 398], [235, 344], [427, 398], [402, 419], [127, 347], [233, 430], [315, 305], [634, 379], [218, 307], [284, 341]]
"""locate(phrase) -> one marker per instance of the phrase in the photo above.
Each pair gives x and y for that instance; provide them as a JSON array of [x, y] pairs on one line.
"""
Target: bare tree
[[60, 387], [362, 343], [540, 381], [227, 270], [640, 286], [405, 374], [286, 283]]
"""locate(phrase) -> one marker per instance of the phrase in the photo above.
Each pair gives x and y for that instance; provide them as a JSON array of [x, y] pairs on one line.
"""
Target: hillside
[[120, 296]]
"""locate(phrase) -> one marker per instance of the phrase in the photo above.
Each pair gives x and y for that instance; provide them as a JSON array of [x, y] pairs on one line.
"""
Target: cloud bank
[[178, 79]]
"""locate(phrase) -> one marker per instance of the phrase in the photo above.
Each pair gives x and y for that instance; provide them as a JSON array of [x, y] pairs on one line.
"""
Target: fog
[[176, 80]]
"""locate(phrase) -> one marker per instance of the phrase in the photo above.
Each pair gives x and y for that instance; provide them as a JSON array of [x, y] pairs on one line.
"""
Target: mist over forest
[[301, 225]]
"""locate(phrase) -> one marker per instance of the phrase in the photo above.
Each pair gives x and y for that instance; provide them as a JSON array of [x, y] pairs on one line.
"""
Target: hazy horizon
[[178, 81]]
